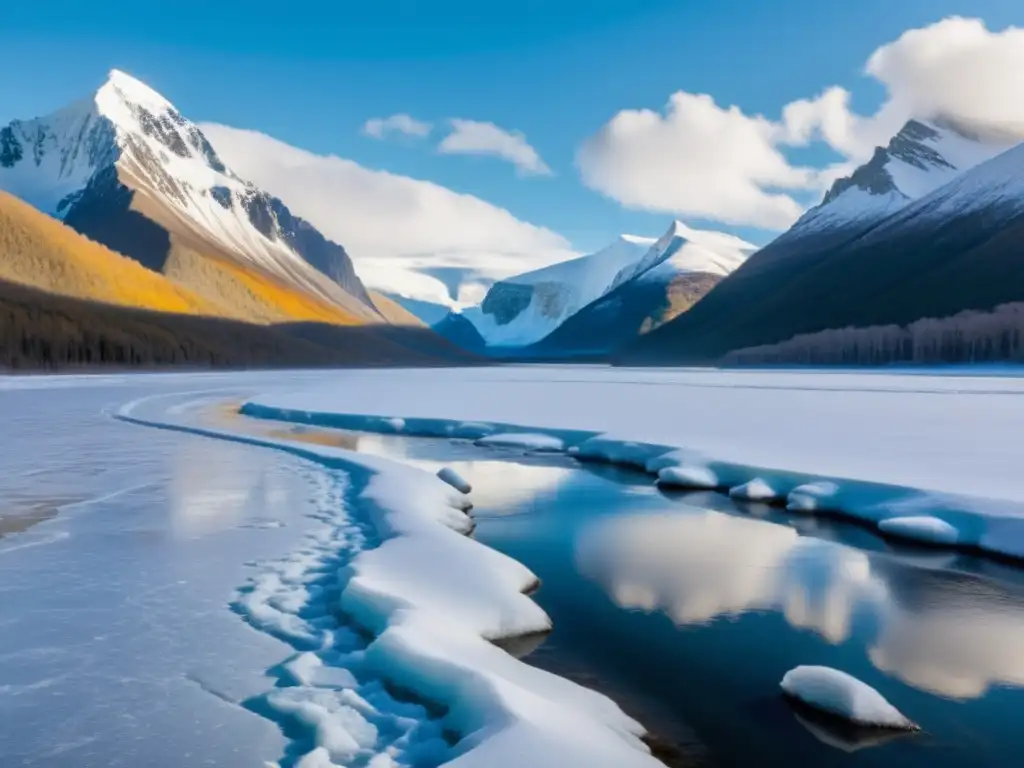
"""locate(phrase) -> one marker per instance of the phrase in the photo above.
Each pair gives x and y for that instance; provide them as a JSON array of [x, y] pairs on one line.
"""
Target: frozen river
[[127, 553]]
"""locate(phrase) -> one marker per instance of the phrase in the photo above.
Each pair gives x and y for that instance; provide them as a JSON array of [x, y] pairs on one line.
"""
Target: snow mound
[[308, 669], [754, 490], [454, 479], [688, 477], [615, 450], [922, 528], [843, 695], [529, 441], [394, 424], [810, 497]]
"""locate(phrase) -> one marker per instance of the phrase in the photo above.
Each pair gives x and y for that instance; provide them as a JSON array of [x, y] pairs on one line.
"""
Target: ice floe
[[811, 497], [694, 476], [922, 528], [756, 489], [837, 693]]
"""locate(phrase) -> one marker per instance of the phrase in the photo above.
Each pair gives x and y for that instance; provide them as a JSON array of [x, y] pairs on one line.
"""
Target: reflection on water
[[706, 564], [941, 631]]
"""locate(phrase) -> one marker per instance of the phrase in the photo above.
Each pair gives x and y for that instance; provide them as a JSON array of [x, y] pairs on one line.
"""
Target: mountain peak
[[121, 97]]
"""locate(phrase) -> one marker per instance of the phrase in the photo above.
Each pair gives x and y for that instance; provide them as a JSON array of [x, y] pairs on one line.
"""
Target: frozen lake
[[125, 550]]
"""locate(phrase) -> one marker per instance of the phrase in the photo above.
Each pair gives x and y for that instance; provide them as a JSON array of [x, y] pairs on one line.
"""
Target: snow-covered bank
[[873, 446], [394, 552]]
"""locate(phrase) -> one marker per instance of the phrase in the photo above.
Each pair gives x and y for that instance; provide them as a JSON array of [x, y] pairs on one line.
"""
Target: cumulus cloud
[[396, 229], [699, 158], [380, 127], [471, 137]]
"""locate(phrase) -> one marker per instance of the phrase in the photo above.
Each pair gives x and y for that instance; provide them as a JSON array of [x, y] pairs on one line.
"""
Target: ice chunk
[[811, 497], [394, 424], [843, 695], [454, 479], [617, 450], [687, 477], [530, 441], [924, 528], [318, 758], [308, 669], [754, 490]]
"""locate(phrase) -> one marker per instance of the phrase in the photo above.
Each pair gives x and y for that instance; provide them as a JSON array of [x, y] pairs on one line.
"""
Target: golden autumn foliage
[[39, 251]]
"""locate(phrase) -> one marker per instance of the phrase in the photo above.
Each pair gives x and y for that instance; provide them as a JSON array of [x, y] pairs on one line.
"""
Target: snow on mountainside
[[523, 309], [127, 154], [919, 159]]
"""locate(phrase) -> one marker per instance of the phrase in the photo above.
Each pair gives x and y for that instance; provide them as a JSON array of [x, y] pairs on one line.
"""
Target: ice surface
[[455, 480], [433, 599], [921, 528], [688, 477], [843, 695], [877, 436], [529, 441], [755, 490]]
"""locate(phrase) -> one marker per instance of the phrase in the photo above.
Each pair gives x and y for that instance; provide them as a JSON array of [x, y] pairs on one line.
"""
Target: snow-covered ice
[[455, 480], [433, 599], [811, 497], [922, 528], [693, 476], [528, 441], [893, 443], [757, 489], [843, 695]]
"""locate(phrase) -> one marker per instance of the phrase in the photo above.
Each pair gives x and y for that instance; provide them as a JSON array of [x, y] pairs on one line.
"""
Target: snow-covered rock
[[455, 480], [843, 695], [923, 528], [528, 441], [811, 497], [692, 476], [754, 490]]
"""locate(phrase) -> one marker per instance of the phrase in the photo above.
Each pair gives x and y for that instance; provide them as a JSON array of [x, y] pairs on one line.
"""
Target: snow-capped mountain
[[127, 169], [955, 248], [523, 310], [919, 159]]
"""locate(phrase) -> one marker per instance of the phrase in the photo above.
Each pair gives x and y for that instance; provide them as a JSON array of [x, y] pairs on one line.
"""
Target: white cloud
[[471, 137], [379, 127], [394, 227], [698, 158]]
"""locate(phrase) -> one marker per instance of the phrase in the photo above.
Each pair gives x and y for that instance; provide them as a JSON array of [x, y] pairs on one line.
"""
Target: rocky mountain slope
[[125, 168], [871, 253]]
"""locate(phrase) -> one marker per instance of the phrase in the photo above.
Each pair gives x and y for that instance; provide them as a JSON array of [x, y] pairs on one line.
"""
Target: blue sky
[[311, 73]]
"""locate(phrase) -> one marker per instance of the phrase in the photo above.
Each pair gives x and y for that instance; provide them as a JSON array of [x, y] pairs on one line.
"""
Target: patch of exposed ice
[[471, 430], [394, 423], [843, 695], [755, 490], [529, 441], [923, 528], [693, 476], [455, 480]]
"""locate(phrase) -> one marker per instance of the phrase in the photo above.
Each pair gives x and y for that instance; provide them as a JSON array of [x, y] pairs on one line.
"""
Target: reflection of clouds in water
[[939, 631], [501, 483], [215, 486], [958, 644], [698, 566]]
